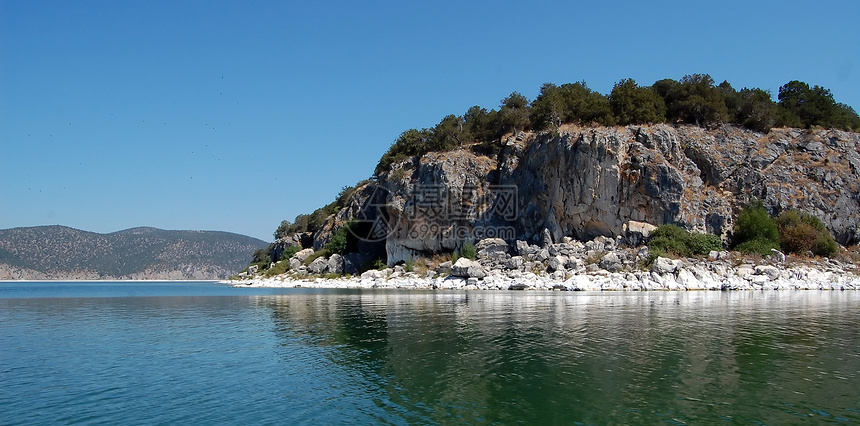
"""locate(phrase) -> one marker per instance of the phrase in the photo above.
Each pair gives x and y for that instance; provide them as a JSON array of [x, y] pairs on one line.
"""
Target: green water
[[741, 357], [214, 355]]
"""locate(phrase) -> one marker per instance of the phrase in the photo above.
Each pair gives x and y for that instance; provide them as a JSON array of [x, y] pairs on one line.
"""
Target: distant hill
[[60, 252]]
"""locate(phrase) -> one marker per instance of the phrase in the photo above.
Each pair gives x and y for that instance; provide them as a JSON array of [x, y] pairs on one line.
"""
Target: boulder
[[477, 271], [460, 268], [252, 270], [295, 263], [490, 246], [318, 266], [542, 255], [523, 248], [557, 263], [303, 255], [466, 268], [574, 263], [778, 255], [372, 274], [611, 262], [664, 266], [545, 238], [636, 233], [444, 268], [515, 262], [335, 264], [771, 272]]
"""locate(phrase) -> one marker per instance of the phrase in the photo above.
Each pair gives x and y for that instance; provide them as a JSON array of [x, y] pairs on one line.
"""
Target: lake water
[[204, 353]]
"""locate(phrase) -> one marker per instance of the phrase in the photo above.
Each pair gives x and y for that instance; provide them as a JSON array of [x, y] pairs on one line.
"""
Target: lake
[[206, 353]]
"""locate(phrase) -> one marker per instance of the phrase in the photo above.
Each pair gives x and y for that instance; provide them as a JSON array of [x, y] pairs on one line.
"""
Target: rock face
[[588, 182]]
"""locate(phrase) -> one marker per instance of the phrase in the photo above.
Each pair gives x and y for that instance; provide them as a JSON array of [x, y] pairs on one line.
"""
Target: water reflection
[[591, 358]]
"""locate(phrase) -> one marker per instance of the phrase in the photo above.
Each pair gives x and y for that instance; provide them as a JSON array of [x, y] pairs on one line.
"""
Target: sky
[[236, 115]]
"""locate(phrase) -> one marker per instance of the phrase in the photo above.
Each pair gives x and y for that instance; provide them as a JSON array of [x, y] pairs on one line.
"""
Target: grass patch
[[672, 240], [314, 256], [277, 269]]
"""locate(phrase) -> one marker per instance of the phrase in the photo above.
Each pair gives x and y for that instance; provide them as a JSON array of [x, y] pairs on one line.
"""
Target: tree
[[283, 229], [410, 143], [548, 108], [801, 233], [632, 104], [755, 230], [815, 106], [852, 120], [478, 123], [755, 110], [449, 133], [514, 113], [700, 102]]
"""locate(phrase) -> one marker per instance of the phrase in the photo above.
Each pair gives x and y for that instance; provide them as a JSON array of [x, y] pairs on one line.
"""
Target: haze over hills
[[60, 252]]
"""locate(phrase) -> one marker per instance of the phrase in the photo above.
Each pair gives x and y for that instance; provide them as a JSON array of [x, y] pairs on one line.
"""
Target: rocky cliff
[[584, 182]]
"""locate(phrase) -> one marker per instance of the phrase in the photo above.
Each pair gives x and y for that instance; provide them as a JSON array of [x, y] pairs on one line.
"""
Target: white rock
[[663, 265]]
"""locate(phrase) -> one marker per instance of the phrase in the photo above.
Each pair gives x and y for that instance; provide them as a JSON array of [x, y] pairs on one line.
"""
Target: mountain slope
[[59, 252]]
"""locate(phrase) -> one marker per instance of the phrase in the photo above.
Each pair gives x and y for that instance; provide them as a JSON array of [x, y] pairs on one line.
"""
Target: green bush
[[468, 251], [409, 265], [338, 241], [759, 245], [290, 251], [754, 223], [633, 104], [672, 239], [800, 233], [705, 243]]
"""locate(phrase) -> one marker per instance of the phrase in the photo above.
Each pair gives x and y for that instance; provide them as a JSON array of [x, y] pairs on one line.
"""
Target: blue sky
[[236, 115]]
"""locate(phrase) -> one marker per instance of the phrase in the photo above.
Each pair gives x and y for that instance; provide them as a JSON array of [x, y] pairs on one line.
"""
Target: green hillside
[[61, 252]]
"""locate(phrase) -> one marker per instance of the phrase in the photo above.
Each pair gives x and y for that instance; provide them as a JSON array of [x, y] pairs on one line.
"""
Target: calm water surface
[[203, 353]]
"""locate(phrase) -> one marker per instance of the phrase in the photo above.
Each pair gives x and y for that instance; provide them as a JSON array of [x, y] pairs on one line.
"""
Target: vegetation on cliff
[[695, 99], [703, 155], [792, 232]]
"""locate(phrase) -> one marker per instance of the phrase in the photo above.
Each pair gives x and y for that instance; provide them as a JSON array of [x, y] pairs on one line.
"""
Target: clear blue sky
[[235, 115]]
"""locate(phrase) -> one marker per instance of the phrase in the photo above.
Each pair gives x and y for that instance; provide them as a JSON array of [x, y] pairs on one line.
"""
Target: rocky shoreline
[[602, 264]]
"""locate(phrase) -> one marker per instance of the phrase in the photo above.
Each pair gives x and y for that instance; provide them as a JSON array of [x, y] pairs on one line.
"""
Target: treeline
[[695, 99]]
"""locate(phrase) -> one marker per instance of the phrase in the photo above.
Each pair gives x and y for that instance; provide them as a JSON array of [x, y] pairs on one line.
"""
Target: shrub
[[759, 245], [290, 251], [800, 233], [705, 243], [262, 255], [467, 250], [409, 265], [671, 239], [754, 223], [344, 240], [338, 241], [633, 104]]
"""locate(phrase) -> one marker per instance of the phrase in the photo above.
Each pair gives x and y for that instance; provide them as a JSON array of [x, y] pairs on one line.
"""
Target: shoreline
[[683, 278], [112, 281], [602, 264]]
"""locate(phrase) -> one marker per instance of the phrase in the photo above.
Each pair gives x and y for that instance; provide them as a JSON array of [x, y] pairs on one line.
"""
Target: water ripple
[[431, 358]]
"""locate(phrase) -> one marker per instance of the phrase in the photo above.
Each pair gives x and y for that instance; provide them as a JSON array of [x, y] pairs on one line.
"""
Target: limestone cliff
[[586, 182]]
